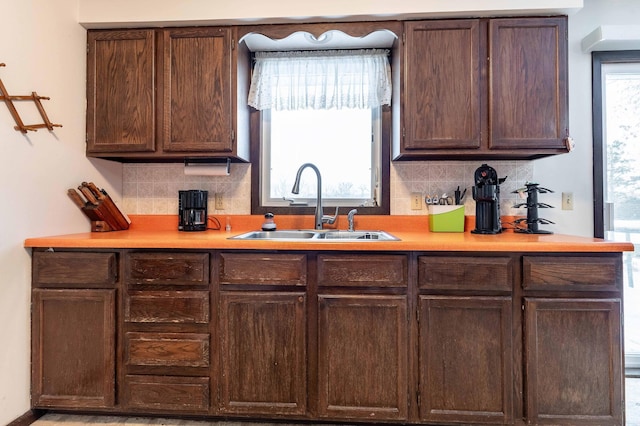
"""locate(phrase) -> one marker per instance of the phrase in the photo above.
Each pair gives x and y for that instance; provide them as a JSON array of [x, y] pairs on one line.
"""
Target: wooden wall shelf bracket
[[34, 97]]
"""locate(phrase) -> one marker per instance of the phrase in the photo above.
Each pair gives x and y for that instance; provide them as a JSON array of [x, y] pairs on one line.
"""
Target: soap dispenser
[[268, 224]]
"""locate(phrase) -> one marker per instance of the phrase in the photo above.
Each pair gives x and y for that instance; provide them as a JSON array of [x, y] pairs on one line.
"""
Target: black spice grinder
[[486, 193], [192, 210]]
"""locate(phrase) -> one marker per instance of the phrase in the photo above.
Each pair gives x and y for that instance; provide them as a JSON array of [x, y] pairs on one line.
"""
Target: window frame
[[384, 204], [375, 138], [598, 60]]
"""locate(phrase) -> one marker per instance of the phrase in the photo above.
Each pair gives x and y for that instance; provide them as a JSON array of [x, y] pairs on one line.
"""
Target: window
[[329, 107], [345, 145], [616, 151]]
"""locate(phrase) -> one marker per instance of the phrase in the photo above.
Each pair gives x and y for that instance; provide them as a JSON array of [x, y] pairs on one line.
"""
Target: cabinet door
[[362, 357], [528, 83], [197, 78], [73, 353], [442, 92], [574, 370], [120, 91], [263, 350], [466, 359]]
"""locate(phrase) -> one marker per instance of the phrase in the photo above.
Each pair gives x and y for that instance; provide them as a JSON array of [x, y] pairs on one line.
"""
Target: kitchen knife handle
[[84, 206], [76, 198], [94, 189], [88, 195]]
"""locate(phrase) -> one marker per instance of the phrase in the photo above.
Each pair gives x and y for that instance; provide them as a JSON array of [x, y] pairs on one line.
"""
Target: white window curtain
[[321, 79]]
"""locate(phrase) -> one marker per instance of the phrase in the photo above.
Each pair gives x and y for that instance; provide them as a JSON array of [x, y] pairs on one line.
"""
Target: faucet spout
[[319, 219], [350, 216]]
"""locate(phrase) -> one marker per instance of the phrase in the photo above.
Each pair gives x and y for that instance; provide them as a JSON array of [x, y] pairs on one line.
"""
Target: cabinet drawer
[[167, 349], [465, 273], [580, 273], [362, 270], [263, 268], [167, 393], [186, 307], [74, 269], [167, 268]]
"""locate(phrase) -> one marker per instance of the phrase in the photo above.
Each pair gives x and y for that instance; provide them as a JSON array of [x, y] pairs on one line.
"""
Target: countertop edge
[[410, 241]]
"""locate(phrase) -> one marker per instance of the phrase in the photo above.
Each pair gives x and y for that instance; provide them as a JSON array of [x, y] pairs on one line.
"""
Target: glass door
[[621, 185]]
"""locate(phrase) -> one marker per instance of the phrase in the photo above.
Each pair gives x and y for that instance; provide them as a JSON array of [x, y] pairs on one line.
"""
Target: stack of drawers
[[166, 337]]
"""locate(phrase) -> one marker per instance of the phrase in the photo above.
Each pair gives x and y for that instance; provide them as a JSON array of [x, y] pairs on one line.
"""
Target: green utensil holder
[[446, 218]]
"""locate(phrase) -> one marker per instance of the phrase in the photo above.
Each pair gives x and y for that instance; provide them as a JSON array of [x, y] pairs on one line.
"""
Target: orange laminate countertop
[[160, 232]]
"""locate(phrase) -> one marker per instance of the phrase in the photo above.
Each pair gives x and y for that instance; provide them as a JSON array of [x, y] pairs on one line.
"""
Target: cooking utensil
[[459, 196], [88, 195]]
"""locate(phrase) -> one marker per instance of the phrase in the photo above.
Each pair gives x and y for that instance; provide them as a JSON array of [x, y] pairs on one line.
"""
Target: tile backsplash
[[153, 188]]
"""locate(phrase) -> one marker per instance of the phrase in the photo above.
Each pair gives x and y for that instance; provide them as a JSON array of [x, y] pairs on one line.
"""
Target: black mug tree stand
[[532, 221]]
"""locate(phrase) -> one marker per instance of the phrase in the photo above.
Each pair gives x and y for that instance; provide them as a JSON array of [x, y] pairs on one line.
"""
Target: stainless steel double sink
[[313, 235]]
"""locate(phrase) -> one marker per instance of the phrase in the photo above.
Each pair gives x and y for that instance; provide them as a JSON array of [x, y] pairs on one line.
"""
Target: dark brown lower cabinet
[[407, 338], [263, 353], [73, 348], [165, 333], [362, 357], [574, 361], [466, 360], [162, 393]]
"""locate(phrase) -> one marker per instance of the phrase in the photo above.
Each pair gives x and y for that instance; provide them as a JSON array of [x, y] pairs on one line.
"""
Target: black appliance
[[486, 193], [192, 210], [532, 205]]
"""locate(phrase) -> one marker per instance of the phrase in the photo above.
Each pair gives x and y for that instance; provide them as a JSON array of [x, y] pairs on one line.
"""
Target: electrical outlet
[[567, 201], [219, 201], [416, 201]]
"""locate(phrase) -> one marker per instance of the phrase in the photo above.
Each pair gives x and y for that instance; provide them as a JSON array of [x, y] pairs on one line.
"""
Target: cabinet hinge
[[233, 44], [404, 38], [233, 135]]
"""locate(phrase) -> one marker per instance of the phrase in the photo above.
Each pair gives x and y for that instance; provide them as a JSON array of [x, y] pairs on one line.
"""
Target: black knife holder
[[532, 205]]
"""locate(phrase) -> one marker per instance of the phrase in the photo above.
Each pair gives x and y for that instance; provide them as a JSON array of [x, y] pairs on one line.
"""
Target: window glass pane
[[623, 144], [338, 142], [621, 97]]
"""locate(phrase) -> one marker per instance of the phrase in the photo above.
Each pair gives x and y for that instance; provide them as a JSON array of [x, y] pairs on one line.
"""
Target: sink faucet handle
[[294, 202], [350, 216], [330, 219]]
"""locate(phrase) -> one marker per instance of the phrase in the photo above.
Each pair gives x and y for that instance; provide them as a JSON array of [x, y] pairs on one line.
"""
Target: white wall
[[104, 13], [573, 172], [43, 47]]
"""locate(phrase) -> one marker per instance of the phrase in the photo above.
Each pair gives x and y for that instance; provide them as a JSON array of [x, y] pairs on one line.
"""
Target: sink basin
[[357, 236], [276, 235], [319, 236]]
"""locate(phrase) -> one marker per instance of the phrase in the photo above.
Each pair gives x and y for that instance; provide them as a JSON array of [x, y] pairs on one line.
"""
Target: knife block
[[100, 226], [99, 208]]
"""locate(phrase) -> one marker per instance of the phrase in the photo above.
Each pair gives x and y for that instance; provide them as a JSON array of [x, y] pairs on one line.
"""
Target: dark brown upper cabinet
[[162, 95], [121, 99], [442, 93], [528, 84], [196, 98], [484, 88]]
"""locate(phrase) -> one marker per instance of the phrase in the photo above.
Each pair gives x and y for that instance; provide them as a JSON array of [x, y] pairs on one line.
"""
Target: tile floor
[[632, 410], [78, 420]]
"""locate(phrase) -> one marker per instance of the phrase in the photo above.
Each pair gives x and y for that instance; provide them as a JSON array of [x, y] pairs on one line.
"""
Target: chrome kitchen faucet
[[319, 217]]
